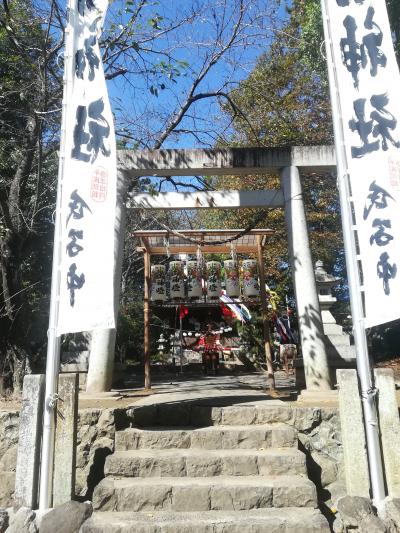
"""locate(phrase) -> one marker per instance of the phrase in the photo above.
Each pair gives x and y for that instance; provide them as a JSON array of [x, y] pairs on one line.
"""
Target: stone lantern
[[337, 341], [325, 283]]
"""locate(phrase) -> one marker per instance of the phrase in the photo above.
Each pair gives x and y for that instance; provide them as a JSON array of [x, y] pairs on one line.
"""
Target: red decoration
[[183, 311], [227, 313]]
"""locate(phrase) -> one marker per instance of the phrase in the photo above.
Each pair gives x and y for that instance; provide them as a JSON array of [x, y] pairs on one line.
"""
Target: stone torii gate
[[289, 163]]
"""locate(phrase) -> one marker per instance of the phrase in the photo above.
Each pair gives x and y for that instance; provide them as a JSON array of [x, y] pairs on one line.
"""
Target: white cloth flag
[[88, 197], [368, 84]]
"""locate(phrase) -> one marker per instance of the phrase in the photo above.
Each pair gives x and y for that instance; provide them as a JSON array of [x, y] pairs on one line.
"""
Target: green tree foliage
[[312, 40], [29, 116], [284, 103]]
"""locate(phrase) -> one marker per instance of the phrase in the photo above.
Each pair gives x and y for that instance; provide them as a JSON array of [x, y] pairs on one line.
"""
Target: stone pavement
[[194, 386]]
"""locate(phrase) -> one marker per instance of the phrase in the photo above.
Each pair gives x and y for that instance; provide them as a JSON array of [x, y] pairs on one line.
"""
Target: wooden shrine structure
[[163, 242]]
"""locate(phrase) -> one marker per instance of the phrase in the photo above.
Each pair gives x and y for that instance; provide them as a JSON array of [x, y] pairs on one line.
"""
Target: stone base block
[[254, 521], [203, 494], [217, 437], [205, 463]]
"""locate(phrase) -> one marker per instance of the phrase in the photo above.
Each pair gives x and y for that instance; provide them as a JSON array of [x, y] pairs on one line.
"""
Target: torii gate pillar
[[102, 346], [315, 358]]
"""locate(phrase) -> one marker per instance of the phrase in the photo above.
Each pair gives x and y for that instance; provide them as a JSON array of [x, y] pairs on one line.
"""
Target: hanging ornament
[[251, 286], [231, 278], [176, 280], [213, 270], [194, 285], [158, 287]]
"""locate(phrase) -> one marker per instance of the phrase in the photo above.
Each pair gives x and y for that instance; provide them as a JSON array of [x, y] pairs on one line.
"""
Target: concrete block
[[237, 497], [208, 438], [191, 498], [136, 438], [65, 442], [238, 415], [281, 462], [283, 436], [7, 486], [390, 428], [229, 493], [243, 464], [264, 520], [205, 415], [30, 432], [289, 492], [205, 465], [353, 435], [272, 415]]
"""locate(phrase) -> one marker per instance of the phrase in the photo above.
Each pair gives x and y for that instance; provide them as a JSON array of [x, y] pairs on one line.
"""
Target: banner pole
[[53, 340], [368, 391]]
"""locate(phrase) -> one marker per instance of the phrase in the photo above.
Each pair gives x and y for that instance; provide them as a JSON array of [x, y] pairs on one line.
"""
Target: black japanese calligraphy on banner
[[377, 198], [89, 184], [367, 79], [386, 271], [344, 3], [77, 210], [380, 125], [76, 206], [86, 58], [73, 248], [359, 54], [74, 282], [84, 6], [90, 135]]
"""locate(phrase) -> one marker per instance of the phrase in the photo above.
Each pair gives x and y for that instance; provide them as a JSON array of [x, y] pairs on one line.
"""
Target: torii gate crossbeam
[[233, 161]]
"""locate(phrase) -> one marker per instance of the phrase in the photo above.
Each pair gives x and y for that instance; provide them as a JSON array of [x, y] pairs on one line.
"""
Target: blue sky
[[147, 114]]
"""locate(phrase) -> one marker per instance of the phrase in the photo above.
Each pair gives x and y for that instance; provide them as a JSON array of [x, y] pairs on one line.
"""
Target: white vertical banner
[[368, 84], [88, 197]]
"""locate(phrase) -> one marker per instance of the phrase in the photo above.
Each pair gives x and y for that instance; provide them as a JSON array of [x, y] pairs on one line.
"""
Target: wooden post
[[264, 312], [147, 376]]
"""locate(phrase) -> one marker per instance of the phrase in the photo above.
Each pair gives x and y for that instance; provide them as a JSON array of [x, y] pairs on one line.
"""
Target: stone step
[[204, 493], [205, 414], [213, 437], [285, 520], [205, 463]]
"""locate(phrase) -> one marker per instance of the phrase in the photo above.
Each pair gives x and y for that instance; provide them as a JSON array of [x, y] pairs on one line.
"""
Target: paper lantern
[[158, 288], [232, 278], [213, 270], [194, 286], [251, 286], [176, 280]]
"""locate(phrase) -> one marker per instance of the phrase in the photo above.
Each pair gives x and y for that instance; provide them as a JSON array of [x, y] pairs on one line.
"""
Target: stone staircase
[[240, 473]]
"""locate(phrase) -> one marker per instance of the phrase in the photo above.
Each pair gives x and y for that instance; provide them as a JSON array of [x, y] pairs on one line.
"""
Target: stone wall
[[9, 425], [319, 438]]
